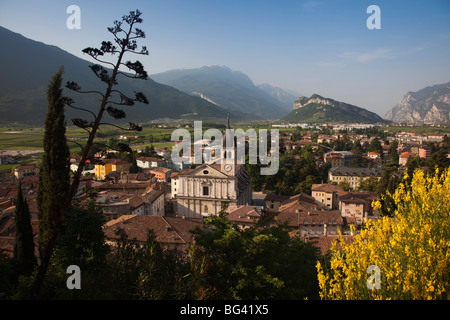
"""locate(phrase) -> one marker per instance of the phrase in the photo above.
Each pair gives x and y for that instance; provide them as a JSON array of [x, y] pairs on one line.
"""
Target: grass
[[20, 137], [420, 129]]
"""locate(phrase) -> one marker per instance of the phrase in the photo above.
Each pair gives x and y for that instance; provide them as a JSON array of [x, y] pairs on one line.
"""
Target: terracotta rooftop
[[301, 217], [326, 188], [245, 213], [358, 197], [169, 231], [150, 159], [299, 201], [275, 197]]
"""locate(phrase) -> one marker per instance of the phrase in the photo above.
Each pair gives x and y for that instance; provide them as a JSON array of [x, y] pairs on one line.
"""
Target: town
[[346, 167]]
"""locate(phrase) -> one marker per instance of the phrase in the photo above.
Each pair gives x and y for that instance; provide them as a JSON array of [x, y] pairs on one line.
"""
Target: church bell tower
[[229, 156]]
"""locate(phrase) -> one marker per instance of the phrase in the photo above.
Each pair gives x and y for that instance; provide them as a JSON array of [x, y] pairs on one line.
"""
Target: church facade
[[201, 191]]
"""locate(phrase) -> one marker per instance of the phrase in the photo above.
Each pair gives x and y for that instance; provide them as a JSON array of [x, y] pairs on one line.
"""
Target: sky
[[310, 46]]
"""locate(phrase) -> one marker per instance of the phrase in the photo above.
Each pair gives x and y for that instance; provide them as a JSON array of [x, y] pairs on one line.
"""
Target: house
[[125, 177], [109, 165], [26, 171], [171, 233], [174, 184], [338, 158], [354, 176], [130, 188], [75, 161], [125, 137], [307, 223], [301, 201], [149, 162], [355, 206], [404, 156], [424, 152], [118, 203], [272, 202], [161, 174], [327, 195], [244, 216], [373, 155], [154, 203], [116, 207]]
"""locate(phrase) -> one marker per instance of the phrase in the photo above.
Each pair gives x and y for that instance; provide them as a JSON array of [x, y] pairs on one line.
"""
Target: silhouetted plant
[[125, 35]]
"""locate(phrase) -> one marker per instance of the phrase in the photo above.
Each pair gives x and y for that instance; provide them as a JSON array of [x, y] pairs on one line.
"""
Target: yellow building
[[110, 165]]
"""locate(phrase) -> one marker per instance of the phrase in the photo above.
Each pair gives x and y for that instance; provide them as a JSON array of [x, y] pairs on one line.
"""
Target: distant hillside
[[428, 105], [284, 97], [317, 109], [232, 90], [26, 69]]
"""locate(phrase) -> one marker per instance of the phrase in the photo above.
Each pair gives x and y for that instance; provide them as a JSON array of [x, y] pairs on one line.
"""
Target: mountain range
[[208, 93], [317, 109], [232, 90], [428, 105], [27, 67]]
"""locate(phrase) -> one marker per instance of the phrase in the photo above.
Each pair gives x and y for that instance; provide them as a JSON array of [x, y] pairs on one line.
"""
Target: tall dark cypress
[[54, 179], [24, 257]]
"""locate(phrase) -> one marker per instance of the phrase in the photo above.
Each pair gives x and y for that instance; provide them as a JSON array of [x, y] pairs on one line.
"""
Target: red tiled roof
[[244, 213], [168, 231], [326, 188]]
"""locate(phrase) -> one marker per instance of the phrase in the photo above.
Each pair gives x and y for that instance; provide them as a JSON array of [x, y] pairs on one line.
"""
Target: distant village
[[172, 199]]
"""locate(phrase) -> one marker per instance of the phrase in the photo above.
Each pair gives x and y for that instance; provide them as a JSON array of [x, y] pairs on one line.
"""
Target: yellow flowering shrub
[[410, 251]]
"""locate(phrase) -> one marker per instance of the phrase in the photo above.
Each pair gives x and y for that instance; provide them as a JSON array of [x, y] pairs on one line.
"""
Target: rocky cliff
[[317, 109], [428, 105]]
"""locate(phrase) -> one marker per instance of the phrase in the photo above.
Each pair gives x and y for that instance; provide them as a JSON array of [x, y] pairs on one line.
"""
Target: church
[[202, 190]]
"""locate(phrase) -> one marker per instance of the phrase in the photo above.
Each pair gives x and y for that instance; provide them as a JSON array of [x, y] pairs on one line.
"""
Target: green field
[[17, 137], [420, 130]]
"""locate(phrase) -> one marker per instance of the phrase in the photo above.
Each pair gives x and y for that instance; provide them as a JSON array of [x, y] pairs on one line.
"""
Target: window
[[206, 191]]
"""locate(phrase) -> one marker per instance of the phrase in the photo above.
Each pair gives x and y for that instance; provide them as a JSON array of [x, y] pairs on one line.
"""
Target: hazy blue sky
[[311, 46]]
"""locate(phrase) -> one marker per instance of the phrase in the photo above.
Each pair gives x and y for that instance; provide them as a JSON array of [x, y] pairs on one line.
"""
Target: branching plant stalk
[[44, 263]]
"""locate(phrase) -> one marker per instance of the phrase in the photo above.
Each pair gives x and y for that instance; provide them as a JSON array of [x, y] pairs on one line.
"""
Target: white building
[[149, 162], [201, 191]]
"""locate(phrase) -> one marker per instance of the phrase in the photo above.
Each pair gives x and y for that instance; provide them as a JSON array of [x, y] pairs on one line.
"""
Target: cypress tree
[[54, 179], [24, 257]]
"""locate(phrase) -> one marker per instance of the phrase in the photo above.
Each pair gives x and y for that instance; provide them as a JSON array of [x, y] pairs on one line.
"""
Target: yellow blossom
[[411, 250]]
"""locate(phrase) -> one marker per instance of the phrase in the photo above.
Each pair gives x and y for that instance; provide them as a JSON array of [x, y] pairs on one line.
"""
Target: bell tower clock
[[228, 161]]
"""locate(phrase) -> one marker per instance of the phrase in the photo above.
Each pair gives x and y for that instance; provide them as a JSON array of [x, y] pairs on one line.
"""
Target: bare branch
[[69, 101], [102, 61], [81, 147], [132, 127]]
